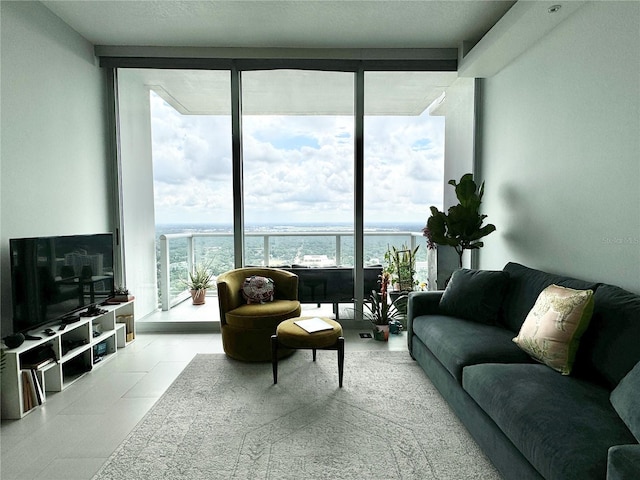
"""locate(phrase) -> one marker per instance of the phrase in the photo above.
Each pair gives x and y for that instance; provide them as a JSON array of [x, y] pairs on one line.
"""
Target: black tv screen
[[55, 277]]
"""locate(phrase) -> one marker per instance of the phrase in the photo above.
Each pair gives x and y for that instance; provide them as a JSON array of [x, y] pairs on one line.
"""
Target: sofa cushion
[[457, 342], [552, 330], [610, 348], [623, 462], [625, 398], [475, 295], [525, 284], [563, 425], [263, 315]]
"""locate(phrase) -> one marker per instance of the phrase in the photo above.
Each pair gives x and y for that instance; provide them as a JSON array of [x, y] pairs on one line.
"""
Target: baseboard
[[178, 327]]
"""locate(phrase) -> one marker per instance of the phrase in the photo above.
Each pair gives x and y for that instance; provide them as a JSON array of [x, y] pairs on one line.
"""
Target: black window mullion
[[236, 156]]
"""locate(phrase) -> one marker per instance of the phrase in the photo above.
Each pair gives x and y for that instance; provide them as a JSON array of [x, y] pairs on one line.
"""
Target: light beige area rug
[[222, 419]]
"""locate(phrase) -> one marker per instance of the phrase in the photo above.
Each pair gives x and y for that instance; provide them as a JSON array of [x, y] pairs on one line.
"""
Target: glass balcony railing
[[179, 253]]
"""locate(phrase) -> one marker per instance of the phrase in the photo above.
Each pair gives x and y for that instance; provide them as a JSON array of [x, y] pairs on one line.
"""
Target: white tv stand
[[76, 350]]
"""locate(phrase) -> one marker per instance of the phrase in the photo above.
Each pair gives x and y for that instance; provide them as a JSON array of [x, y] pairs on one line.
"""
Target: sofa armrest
[[623, 462], [421, 303]]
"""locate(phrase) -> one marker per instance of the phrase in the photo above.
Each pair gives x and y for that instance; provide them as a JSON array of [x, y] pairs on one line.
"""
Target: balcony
[[178, 253]]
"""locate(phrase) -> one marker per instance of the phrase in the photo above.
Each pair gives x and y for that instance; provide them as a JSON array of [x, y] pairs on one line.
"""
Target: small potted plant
[[121, 294], [401, 266], [199, 281], [381, 313]]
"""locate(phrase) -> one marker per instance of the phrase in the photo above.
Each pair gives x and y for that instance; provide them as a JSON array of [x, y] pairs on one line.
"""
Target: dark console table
[[332, 284]]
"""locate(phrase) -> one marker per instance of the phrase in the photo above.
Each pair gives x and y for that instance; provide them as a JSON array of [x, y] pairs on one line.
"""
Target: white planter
[[432, 269]]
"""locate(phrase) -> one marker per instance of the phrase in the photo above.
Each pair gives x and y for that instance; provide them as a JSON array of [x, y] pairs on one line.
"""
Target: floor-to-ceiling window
[[403, 161], [184, 127], [297, 132], [297, 157], [191, 142]]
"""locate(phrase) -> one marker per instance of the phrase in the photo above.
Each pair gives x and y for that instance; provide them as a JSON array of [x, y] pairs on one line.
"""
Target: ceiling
[[282, 24], [294, 92], [308, 24]]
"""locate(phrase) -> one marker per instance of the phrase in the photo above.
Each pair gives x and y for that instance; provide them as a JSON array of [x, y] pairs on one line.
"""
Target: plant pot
[[432, 269], [395, 327], [381, 333], [123, 298], [197, 296], [395, 294]]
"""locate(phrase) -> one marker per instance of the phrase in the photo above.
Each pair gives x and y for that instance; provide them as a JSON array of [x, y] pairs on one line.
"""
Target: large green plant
[[461, 227]]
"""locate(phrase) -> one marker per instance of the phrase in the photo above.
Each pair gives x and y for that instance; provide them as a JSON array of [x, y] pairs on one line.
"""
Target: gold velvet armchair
[[247, 328]]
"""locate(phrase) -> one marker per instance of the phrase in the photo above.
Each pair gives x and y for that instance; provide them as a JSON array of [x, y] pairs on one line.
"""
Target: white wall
[[54, 170], [561, 150], [459, 111], [137, 191]]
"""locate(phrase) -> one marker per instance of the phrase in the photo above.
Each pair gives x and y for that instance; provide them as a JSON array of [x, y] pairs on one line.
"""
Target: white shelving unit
[[82, 346]]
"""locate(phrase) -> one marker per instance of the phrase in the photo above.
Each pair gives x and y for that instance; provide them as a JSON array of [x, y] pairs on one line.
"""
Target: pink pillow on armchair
[[257, 289]]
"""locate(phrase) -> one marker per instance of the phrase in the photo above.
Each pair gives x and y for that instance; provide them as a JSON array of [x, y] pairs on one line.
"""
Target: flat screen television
[[57, 277]]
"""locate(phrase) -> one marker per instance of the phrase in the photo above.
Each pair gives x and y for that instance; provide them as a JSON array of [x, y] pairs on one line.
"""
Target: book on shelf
[[26, 392], [37, 387], [314, 324], [29, 398], [32, 392], [37, 365], [38, 357]]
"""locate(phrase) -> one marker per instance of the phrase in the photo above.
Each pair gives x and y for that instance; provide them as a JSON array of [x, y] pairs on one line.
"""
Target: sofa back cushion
[[626, 400], [475, 295], [610, 347], [524, 286]]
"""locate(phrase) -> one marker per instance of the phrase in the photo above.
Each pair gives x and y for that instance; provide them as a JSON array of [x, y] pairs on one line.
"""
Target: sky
[[297, 169]]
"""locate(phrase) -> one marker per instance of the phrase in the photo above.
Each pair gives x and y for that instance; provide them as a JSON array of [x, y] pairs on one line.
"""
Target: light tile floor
[[76, 430]]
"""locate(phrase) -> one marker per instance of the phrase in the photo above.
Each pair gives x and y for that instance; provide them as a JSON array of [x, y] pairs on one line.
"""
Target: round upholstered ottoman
[[291, 334]]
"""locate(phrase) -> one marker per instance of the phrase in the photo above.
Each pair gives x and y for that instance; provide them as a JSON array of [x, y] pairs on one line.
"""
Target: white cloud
[[296, 168]]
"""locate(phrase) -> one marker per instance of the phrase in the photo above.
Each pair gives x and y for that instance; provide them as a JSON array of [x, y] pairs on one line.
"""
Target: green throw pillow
[[552, 330]]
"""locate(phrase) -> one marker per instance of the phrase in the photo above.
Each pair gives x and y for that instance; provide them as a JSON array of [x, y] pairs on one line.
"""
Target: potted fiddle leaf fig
[[461, 227], [199, 281]]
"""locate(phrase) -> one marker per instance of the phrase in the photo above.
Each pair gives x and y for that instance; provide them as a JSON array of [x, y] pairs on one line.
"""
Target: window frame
[[405, 60]]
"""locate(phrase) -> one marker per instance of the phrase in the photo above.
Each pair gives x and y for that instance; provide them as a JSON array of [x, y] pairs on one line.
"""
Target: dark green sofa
[[531, 421]]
